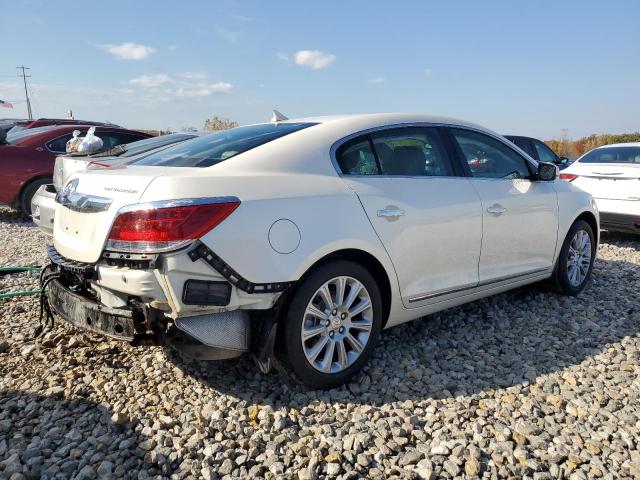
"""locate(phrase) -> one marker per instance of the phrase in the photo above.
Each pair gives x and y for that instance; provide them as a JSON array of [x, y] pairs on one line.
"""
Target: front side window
[[613, 155], [545, 154], [217, 147], [488, 157]]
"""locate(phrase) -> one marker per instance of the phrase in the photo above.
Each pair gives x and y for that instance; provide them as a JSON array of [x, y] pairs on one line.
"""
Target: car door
[[428, 217], [520, 216]]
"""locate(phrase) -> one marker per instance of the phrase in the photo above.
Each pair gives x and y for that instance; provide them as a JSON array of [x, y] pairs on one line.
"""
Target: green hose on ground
[[19, 293], [11, 271]]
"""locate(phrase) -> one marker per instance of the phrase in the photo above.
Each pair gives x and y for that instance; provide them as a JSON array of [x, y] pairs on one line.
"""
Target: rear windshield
[[219, 146], [613, 155], [13, 137], [141, 146]]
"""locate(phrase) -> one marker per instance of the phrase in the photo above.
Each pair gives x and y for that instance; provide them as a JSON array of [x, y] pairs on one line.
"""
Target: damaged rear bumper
[[80, 311]]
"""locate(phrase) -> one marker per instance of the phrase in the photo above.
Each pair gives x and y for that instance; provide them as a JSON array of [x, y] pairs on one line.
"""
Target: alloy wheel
[[579, 258], [337, 324]]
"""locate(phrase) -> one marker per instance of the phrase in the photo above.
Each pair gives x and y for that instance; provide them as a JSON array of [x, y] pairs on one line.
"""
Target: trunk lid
[[81, 233], [611, 181]]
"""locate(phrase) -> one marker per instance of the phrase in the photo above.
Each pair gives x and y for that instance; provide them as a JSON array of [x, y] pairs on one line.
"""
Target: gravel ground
[[526, 384]]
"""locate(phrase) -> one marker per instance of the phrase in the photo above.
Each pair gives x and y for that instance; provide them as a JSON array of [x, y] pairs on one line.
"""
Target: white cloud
[[283, 56], [193, 75], [315, 59], [150, 80], [242, 18], [204, 89], [173, 48], [427, 71], [231, 36], [129, 50], [377, 80]]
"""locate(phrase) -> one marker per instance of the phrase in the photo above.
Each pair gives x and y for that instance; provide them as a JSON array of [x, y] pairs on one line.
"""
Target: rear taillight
[[569, 177], [165, 228]]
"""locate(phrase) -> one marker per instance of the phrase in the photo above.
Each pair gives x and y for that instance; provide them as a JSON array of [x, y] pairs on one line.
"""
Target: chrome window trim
[[337, 144]]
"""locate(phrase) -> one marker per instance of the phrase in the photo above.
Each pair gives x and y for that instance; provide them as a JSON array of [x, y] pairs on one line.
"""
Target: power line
[[26, 93]]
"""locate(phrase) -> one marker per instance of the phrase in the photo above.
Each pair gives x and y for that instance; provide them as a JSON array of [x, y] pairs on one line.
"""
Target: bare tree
[[216, 123]]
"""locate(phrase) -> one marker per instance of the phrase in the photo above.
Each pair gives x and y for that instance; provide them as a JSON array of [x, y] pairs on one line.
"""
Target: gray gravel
[[527, 384]]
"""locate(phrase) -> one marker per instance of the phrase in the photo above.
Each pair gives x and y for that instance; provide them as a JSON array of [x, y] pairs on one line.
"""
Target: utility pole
[[26, 93]]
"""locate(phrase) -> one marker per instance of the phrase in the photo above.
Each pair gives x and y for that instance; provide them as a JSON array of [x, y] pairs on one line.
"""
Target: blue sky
[[533, 68]]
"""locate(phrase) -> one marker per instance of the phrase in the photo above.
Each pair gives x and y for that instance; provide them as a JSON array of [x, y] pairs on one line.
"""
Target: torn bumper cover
[[84, 313]]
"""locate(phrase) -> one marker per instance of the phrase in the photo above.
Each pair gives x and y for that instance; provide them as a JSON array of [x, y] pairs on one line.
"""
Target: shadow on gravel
[[620, 239], [43, 436], [502, 341], [9, 215]]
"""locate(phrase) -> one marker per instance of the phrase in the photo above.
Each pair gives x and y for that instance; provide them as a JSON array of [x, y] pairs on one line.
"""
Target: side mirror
[[547, 172]]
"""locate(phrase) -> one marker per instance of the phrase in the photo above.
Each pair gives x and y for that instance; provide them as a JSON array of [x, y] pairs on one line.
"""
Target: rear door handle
[[496, 209], [390, 212]]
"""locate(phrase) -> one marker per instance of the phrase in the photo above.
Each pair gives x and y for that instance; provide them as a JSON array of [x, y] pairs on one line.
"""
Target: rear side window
[[413, 151], [613, 155], [357, 158], [219, 146], [488, 157], [59, 145]]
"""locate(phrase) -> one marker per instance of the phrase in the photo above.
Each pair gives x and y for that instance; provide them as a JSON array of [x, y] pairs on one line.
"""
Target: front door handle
[[496, 209], [390, 212]]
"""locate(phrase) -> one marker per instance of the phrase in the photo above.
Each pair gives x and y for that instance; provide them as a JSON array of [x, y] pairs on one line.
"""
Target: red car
[[27, 158], [43, 122]]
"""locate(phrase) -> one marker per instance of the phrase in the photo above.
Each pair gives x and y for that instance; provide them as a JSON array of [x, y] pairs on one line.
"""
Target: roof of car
[[359, 122], [626, 144]]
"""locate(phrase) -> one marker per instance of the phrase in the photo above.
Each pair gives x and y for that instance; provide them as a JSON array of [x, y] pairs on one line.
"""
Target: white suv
[[300, 240]]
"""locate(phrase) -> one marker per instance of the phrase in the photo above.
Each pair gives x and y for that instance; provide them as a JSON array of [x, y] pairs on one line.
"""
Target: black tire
[[560, 277], [29, 191], [291, 348]]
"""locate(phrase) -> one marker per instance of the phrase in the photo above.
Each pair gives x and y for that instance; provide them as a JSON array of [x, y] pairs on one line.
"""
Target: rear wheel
[[332, 324], [29, 191], [575, 262]]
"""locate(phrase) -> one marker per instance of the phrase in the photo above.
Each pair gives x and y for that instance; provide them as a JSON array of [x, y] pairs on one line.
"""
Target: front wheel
[[332, 324], [28, 193], [575, 262]]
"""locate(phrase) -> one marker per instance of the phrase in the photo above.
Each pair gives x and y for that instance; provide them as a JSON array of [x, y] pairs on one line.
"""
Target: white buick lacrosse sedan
[[300, 240]]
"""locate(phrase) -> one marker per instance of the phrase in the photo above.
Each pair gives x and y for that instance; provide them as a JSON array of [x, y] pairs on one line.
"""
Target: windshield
[[13, 137], [613, 155], [219, 146], [141, 146]]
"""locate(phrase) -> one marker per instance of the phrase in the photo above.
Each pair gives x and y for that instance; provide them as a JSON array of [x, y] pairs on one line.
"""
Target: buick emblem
[[69, 188]]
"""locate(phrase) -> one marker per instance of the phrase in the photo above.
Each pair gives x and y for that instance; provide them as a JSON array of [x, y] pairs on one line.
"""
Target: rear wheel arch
[[363, 258]]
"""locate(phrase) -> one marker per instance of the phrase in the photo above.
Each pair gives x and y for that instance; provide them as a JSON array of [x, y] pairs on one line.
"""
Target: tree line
[[566, 147]]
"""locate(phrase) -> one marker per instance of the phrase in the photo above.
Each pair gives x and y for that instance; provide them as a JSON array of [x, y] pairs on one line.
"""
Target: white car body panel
[[434, 249], [444, 244], [513, 242], [615, 188]]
